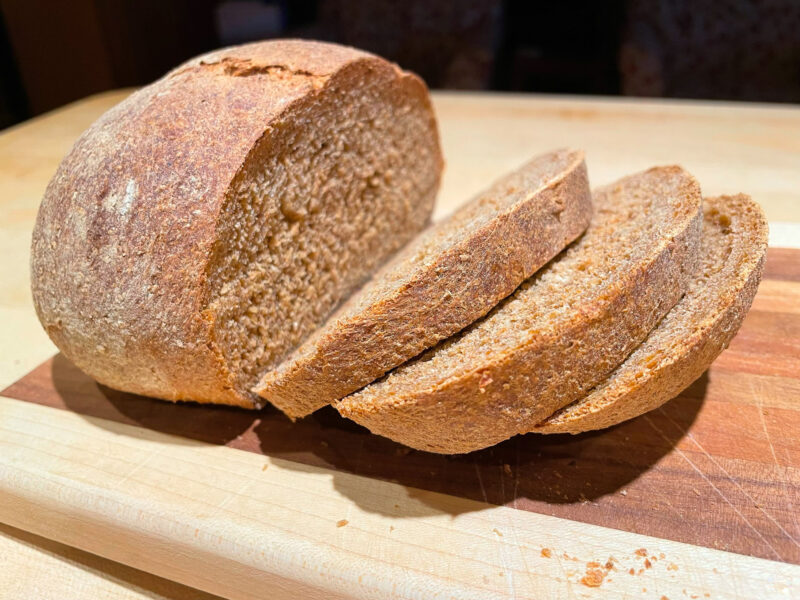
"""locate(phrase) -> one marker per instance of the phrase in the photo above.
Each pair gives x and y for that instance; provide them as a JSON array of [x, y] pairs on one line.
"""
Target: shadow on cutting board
[[555, 470], [555, 474], [558, 474]]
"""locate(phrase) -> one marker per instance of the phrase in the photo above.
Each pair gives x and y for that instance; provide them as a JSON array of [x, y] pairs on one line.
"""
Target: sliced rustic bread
[[445, 279], [693, 333], [201, 229], [563, 331]]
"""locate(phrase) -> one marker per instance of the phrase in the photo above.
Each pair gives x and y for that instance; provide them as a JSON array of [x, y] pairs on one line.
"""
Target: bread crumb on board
[[594, 575], [546, 553], [342, 522]]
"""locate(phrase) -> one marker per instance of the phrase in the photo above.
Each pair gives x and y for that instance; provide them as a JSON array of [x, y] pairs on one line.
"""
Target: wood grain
[[727, 448], [242, 525], [730, 148], [64, 572]]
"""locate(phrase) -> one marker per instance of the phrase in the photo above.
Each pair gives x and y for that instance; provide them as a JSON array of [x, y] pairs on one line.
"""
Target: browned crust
[[505, 251], [711, 332], [491, 402], [125, 231]]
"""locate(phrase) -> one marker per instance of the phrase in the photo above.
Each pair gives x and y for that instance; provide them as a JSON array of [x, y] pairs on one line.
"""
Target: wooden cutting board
[[695, 500], [717, 467]]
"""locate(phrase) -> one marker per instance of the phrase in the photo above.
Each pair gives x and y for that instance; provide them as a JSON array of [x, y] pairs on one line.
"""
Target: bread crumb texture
[[562, 332], [693, 333], [442, 281], [201, 228]]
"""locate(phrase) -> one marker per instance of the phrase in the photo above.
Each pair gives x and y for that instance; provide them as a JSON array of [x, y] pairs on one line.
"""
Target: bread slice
[[201, 229], [563, 331], [693, 333], [445, 279]]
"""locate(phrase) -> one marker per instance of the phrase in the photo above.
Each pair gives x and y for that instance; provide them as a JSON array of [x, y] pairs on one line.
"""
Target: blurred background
[[55, 51]]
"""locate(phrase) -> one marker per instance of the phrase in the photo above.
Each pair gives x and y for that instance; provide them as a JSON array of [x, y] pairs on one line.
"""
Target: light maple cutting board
[[698, 499], [193, 487]]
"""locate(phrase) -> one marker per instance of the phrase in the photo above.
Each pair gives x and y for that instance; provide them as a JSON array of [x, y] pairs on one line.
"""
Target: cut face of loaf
[[201, 229], [694, 332], [563, 331], [442, 281]]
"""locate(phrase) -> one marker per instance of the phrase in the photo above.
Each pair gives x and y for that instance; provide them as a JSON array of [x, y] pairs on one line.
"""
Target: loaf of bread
[[201, 229], [693, 333], [560, 334], [254, 225], [441, 282]]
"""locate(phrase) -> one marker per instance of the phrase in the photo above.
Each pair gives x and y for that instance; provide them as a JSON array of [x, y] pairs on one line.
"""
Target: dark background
[[56, 51]]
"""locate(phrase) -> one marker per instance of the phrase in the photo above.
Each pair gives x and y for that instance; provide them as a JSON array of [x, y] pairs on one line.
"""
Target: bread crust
[[126, 229], [712, 325], [492, 400], [444, 295]]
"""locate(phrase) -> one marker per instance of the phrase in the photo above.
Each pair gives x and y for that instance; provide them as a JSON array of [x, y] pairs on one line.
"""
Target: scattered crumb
[[196, 532], [647, 563], [594, 575], [653, 558], [507, 469], [402, 451], [497, 532], [672, 567], [342, 523], [546, 552], [265, 467], [397, 506], [623, 492], [391, 527], [661, 556], [631, 571], [641, 552], [566, 556], [664, 598], [557, 474], [640, 571]]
